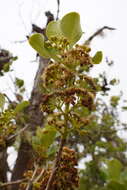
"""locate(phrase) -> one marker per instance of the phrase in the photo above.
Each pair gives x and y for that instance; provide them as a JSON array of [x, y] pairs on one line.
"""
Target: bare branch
[[50, 17], [30, 183], [9, 100], [58, 9], [97, 33], [18, 133], [12, 182], [39, 176], [20, 41], [5, 59]]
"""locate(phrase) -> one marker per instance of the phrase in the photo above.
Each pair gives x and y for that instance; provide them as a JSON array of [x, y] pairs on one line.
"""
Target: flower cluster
[[7, 127], [67, 84], [66, 175]]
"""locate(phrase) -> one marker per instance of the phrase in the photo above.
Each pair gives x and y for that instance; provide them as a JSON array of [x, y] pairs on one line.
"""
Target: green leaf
[[124, 107], [14, 58], [46, 135], [68, 27], [83, 185], [52, 150], [115, 185], [37, 42], [19, 82], [123, 176], [6, 67], [97, 57], [2, 101], [71, 28], [114, 100], [114, 82], [53, 29], [114, 169], [20, 107], [43, 139]]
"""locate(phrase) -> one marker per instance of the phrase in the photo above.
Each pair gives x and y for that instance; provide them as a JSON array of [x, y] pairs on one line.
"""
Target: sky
[[16, 17]]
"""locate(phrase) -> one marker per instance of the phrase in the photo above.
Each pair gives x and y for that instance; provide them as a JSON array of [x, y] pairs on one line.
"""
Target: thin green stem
[[56, 163], [58, 157]]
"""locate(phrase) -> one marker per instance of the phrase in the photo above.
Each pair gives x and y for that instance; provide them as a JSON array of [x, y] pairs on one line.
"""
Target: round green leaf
[[97, 57], [68, 27], [37, 42], [71, 28], [114, 169], [20, 107], [53, 29], [46, 135], [19, 82]]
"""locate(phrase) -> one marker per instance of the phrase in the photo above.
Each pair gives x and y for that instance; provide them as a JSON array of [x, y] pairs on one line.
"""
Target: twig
[[58, 9], [20, 5], [39, 176], [12, 182], [50, 17], [5, 59], [18, 133], [98, 32], [32, 178], [56, 164], [20, 41], [9, 100]]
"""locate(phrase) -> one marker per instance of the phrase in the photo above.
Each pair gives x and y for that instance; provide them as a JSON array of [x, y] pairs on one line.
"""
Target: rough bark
[[24, 156], [3, 167], [35, 119]]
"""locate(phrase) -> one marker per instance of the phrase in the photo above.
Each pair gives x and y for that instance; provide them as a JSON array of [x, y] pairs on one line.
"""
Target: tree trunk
[[36, 119], [3, 167]]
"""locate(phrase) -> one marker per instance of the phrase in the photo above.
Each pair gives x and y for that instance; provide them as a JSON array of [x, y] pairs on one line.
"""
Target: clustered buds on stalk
[[68, 96], [66, 174], [66, 84]]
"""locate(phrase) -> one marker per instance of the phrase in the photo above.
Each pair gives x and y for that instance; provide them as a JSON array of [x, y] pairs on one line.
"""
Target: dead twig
[[58, 9], [18, 133], [12, 182], [30, 183], [97, 33], [20, 41], [39, 176], [9, 100]]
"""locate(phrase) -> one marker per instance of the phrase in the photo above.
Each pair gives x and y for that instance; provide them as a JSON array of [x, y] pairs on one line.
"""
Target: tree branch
[[30, 183], [39, 176], [18, 133], [97, 33], [12, 182], [35, 116], [20, 41], [58, 9], [9, 100]]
